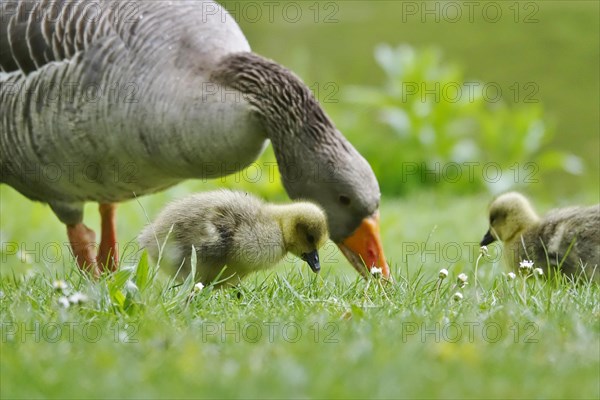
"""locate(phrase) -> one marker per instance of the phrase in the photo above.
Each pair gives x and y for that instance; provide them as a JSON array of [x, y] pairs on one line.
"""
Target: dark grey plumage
[[568, 237]]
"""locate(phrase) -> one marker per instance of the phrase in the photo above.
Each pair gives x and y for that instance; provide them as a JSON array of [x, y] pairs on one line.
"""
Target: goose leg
[[82, 238], [107, 255], [83, 244]]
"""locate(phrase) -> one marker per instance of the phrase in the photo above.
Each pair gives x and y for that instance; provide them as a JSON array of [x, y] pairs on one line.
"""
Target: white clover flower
[[526, 265], [376, 272], [63, 302], [60, 286], [457, 296], [462, 280], [511, 275], [443, 273], [78, 298], [483, 250], [538, 272], [198, 287]]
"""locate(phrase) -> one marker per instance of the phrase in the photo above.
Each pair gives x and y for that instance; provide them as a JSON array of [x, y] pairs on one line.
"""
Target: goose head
[[304, 229], [315, 160], [510, 215]]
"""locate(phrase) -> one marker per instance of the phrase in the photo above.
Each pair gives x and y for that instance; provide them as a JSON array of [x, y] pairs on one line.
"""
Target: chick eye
[[345, 200], [493, 218], [310, 238]]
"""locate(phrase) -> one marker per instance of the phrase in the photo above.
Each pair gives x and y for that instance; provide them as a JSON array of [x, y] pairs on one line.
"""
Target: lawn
[[290, 333]]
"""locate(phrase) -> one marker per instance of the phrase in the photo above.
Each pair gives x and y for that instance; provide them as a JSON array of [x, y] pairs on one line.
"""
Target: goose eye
[[345, 200], [310, 238]]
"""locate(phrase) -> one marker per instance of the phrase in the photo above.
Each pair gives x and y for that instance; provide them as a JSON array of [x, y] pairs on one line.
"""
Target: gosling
[[236, 230], [565, 239]]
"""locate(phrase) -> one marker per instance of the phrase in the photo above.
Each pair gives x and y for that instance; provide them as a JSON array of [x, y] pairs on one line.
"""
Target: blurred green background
[[550, 50]]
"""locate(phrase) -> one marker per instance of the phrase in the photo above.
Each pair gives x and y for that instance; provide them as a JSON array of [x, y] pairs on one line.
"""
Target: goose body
[[568, 238], [104, 101], [115, 109], [236, 230]]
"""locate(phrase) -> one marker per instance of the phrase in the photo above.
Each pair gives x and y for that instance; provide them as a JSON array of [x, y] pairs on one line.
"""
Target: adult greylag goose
[[236, 230], [564, 239], [121, 98]]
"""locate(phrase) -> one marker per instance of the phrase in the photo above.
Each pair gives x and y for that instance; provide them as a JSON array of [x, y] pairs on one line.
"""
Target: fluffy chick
[[564, 239], [234, 229]]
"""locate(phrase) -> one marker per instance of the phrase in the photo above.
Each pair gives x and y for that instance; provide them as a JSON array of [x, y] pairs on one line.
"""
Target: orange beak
[[364, 249]]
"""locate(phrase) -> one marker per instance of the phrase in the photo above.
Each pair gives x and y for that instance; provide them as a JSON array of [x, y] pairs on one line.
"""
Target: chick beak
[[312, 259], [487, 238], [364, 248]]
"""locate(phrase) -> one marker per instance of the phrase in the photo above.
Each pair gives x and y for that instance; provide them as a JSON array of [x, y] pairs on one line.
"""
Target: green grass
[[321, 336]]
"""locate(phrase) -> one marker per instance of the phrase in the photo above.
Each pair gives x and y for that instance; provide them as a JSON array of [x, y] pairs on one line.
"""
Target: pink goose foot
[[107, 255], [83, 245]]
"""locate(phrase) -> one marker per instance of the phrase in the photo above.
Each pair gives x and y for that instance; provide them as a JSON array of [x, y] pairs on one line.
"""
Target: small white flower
[[511, 275], [60, 285], [63, 302], [443, 273], [457, 296], [376, 272], [526, 265], [538, 272], [198, 287], [78, 298], [462, 280], [483, 250]]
